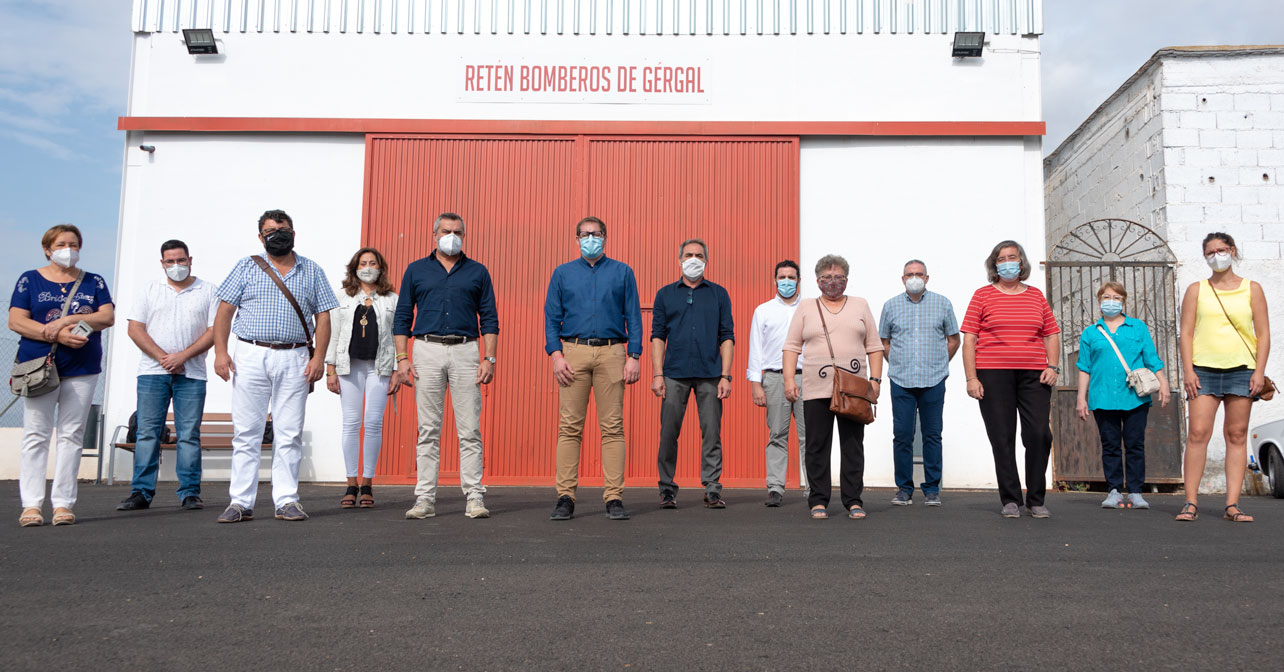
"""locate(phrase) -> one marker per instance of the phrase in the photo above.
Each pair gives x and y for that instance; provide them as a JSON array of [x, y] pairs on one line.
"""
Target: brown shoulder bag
[[853, 396], [1268, 387]]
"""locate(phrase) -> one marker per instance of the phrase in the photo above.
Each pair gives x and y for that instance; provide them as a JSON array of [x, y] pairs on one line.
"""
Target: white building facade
[[1190, 144], [884, 148]]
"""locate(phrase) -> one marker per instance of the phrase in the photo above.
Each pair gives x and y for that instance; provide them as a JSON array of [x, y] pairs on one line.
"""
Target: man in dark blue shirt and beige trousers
[[692, 338], [452, 303], [593, 332]]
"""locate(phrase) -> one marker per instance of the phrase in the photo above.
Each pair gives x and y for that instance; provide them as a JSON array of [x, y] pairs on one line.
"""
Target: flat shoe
[[856, 513], [63, 516], [819, 514], [31, 518]]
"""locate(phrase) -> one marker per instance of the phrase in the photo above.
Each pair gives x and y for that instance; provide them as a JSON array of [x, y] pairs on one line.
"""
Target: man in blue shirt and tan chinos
[[920, 337], [692, 338], [450, 299], [593, 332]]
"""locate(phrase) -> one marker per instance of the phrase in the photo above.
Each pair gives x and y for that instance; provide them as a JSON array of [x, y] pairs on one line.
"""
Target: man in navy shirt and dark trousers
[[593, 332], [692, 338], [452, 303]]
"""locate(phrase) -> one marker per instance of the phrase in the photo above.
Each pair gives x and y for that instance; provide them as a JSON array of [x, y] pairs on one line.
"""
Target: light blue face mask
[[591, 247], [1110, 307], [786, 287], [1009, 270]]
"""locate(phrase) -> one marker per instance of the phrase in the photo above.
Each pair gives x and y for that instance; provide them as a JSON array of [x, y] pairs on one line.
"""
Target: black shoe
[[668, 500], [564, 510], [193, 503], [773, 499], [713, 500], [134, 502], [615, 510]]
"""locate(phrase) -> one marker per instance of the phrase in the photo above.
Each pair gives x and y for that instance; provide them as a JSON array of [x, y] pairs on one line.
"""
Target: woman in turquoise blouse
[[1104, 392]]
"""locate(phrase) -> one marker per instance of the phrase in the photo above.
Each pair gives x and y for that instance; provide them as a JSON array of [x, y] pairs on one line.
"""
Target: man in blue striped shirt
[[920, 337], [272, 367], [593, 332]]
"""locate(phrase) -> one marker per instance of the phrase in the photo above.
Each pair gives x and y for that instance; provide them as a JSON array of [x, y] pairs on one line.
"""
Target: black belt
[[273, 346], [595, 342], [799, 371], [445, 340]]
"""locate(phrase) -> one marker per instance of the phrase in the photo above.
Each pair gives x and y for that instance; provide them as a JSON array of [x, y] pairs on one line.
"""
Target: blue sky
[[64, 68]]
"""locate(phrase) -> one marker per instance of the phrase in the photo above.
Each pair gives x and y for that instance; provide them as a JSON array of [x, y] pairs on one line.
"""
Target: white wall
[[879, 203], [209, 190]]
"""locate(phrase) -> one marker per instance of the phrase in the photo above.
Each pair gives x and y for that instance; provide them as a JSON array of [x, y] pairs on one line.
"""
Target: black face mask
[[279, 243]]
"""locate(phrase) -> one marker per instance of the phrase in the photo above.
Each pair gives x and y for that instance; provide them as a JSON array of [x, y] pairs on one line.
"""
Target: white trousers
[[67, 409], [437, 367], [363, 394], [273, 381]]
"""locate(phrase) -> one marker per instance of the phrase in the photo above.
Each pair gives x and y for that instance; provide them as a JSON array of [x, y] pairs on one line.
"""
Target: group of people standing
[[294, 331]]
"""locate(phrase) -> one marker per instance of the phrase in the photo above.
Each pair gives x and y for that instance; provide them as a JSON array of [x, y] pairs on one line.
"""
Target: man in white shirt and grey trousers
[[766, 341]]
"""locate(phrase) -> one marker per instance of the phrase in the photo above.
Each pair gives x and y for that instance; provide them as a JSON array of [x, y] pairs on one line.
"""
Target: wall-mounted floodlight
[[968, 45], [201, 41]]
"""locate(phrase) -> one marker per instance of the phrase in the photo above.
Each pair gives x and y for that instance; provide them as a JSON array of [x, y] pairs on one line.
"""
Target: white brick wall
[[1219, 121]]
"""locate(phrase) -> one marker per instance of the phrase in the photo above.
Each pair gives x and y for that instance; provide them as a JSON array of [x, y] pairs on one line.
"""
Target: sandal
[[1189, 512], [63, 516], [856, 513], [31, 517], [1239, 516], [349, 500], [819, 514], [367, 497]]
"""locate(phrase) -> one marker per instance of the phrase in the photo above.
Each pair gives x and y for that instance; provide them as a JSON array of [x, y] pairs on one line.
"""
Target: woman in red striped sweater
[[1011, 345]]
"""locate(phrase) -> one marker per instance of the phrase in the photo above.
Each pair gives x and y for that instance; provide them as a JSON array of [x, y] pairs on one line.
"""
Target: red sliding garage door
[[520, 198]]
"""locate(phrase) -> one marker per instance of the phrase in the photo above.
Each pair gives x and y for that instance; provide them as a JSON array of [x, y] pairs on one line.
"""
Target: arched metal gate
[[1127, 252]]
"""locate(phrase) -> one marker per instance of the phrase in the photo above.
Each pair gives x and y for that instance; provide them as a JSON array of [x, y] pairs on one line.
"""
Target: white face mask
[[693, 268], [368, 274], [450, 244], [1219, 262], [178, 272], [65, 256], [915, 285]]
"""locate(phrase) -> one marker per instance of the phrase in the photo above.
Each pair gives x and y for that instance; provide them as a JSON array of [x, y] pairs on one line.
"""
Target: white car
[[1268, 447]]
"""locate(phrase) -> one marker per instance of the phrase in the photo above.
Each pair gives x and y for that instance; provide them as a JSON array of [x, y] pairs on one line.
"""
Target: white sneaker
[[423, 508], [476, 508], [1112, 500]]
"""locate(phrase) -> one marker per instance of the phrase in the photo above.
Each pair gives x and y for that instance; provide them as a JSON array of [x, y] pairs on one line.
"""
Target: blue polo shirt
[[693, 322], [458, 303], [592, 301], [1107, 383]]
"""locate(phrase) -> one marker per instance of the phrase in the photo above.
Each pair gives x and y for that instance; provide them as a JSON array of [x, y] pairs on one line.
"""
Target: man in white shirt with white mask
[[172, 323], [766, 341]]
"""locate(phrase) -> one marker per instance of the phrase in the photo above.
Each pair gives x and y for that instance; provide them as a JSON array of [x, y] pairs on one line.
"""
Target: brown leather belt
[[445, 340], [273, 346]]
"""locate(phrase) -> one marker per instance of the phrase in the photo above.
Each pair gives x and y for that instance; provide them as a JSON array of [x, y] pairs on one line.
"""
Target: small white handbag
[[1143, 381]]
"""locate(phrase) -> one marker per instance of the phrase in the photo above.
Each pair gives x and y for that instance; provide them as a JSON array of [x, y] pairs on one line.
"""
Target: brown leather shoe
[[713, 500]]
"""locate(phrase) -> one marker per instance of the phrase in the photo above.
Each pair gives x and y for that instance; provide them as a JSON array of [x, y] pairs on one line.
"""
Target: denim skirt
[[1222, 382]]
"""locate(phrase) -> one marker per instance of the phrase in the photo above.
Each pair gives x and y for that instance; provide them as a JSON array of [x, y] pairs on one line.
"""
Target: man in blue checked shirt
[[920, 336], [593, 333], [271, 370]]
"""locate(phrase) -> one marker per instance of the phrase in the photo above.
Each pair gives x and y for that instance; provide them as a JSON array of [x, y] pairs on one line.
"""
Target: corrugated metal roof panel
[[593, 17]]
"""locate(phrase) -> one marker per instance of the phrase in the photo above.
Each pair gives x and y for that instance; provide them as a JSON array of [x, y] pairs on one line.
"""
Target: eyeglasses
[[916, 275], [690, 293], [1221, 250], [590, 234], [833, 278], [267, 232]]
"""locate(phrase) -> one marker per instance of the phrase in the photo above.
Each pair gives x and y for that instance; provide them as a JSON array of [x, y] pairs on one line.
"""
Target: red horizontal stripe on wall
[[516, 126]]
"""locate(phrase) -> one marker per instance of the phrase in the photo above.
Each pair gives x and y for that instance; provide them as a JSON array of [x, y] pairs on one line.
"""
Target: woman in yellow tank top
[[1225, 340]]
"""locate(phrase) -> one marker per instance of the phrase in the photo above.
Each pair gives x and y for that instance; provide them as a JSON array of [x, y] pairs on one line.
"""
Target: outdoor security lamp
[[201, 41], [968, 45]]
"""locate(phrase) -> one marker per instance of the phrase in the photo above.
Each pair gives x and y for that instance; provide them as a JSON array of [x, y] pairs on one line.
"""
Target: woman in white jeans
[[359, 364], [36, 313]]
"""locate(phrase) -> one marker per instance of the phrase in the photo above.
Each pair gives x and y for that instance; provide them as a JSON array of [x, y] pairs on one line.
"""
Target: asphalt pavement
[[745, 588]]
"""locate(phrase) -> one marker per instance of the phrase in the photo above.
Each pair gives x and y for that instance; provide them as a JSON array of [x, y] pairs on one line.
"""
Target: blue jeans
[[929, 402], [1129, 429], [154, 395]]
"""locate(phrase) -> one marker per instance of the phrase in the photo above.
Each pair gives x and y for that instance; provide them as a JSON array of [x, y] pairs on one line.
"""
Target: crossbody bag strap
[[825, 327], [66, 306], [1251, 354], [263, 264], [1111, 341]]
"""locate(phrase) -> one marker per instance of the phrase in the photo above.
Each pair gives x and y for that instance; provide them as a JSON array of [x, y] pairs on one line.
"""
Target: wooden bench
[[216, 434]]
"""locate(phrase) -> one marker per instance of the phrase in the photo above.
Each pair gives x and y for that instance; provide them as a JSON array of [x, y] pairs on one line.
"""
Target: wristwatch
[[635, 356], [877, 380], [728, 378], [1055, 369], [490, 359]]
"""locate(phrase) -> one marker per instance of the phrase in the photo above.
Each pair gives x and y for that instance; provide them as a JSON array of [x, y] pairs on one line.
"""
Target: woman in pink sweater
[[857, 349]]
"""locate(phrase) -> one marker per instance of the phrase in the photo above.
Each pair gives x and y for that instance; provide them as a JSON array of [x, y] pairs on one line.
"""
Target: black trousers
[[1010, 393], [1127, 428], [851, 455]]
